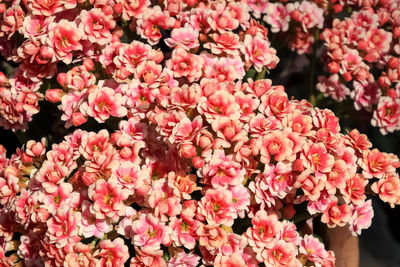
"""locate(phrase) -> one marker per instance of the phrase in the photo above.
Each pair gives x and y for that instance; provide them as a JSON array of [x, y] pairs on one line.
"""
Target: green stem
[[261, 75]]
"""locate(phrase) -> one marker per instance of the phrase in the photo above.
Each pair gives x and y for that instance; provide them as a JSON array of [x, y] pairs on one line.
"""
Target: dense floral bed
[[196, 157]]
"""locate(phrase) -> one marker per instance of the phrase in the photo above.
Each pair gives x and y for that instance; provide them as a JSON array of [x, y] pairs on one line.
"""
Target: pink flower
[[359, 142], [62, 229], [108, 200], [220, 105], [336, 215], [49, 8], [298, 122], [332, 87], [149, 233], [133, 8], [64, 197], [313, 249], [36, 27], [316, 158], [148, 258], [325, 119], [226, 42], [50, 175], [258, 7], [185, 64], [183, 259], [93, 144], [375, 164], [221, 19], [388, 189], [233, 260], [387, 115], [29, 209], [64, 39], [308, 14], [182, 184], [80, 256], [96, 25], [259, 54], [102, 103], [148, 26], [276, 144], [63, 154], [361, 217], [279, 179], [265, 228], [13, 19], [211, 236], [277, 16], [262, 195], [355, 189], [183, 233], [112, 253], [275, 103], [222, 170], [185, 37], [280, 255], [365, 94], [215, 206], [90, 225]]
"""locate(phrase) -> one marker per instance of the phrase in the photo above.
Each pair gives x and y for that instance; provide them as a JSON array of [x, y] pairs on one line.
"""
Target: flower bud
[[54, 95]]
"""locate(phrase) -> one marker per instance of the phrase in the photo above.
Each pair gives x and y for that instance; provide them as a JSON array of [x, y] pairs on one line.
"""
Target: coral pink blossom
[[388, 189], [316, 158], [281, 254], [64, 39], [182, 233], [211, 236], [150, 23], [277, 145], [313, 249], [183, 259], [361, 217], [62, 229], [215, 206], [97, 25], [149, 233], [186, 38], [264, 230], [387, 114], [223, 170], [355, 189], [234, 260], [226, 42], [112, 253], [102, 103], [277, 16], [108, 200], [185, 64], [259, 53], [48, 8], [336, 215], [376, 164], [81, 256], [50, 175]]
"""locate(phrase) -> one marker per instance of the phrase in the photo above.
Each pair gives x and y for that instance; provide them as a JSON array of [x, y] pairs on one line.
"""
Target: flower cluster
[[179, 177], [362, 58], [198, 164], [217, 40], [295, 22]]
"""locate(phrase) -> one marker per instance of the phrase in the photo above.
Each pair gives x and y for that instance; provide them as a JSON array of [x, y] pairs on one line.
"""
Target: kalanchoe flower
[[196, 159]]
